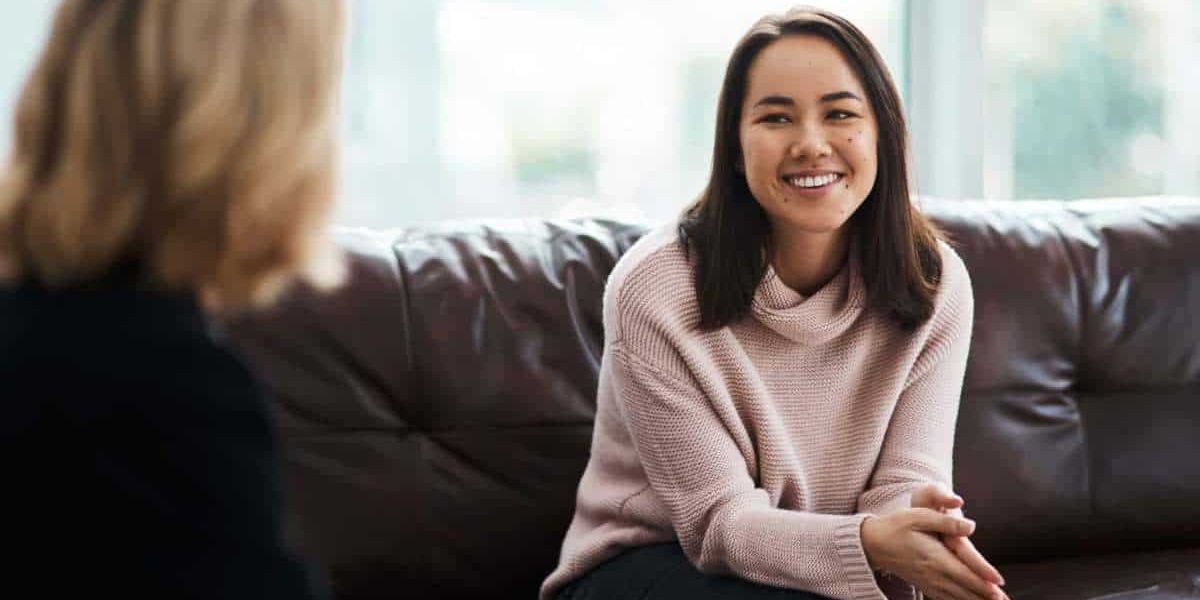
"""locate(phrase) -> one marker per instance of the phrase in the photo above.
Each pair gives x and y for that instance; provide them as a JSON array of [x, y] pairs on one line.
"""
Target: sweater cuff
[[848, 540]]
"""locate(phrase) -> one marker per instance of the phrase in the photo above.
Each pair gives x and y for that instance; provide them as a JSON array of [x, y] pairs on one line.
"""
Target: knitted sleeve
[[724, 523], [918, 448], [919, 443]]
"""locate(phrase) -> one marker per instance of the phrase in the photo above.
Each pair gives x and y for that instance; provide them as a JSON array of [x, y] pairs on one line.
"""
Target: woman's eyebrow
[[843, 95], [774, 101]]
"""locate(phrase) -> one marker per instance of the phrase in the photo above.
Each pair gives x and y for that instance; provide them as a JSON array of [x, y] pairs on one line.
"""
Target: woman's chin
[[816, 224]]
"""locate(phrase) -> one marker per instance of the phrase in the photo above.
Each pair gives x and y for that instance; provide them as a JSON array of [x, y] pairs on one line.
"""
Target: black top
[[136, 451]]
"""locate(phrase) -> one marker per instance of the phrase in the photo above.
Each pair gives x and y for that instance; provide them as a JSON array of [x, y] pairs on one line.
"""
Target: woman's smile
[[811, 184]]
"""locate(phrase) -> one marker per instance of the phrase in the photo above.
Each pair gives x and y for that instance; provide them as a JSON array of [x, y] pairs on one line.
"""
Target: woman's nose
[[810, 142]]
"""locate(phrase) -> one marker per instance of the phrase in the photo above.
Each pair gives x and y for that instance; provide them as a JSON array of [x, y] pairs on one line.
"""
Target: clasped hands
[[928, 546]]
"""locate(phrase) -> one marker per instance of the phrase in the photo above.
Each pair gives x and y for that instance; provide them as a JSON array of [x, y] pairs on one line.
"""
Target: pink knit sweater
[[762, 446]]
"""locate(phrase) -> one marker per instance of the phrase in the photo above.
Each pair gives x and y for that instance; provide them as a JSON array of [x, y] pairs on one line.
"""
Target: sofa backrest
[[436, 411], [1079, 427]]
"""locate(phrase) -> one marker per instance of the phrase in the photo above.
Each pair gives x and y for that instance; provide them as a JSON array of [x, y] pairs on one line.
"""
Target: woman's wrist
[[866, 534], [871, 536]]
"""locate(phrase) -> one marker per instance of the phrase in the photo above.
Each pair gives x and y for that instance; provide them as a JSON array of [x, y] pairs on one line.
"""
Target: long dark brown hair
[[727, 232]]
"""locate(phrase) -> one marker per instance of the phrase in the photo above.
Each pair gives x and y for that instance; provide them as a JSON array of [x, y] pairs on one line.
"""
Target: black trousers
[[662, 572]]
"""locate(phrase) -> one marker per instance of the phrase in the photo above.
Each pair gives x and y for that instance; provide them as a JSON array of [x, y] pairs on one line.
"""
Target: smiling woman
[[782, 368], [795, 105], [808, 154]]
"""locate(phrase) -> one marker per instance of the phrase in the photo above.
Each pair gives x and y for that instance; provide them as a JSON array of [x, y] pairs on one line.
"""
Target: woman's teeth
[[812, 182]]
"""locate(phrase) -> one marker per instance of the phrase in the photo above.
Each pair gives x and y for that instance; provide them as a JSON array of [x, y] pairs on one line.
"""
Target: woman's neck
[[805, 262]]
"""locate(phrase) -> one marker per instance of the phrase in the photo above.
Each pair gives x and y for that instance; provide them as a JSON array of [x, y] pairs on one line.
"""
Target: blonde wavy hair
[[194, 140]]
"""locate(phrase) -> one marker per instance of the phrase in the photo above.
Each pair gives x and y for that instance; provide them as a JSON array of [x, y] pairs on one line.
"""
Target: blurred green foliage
[[1076, 117]]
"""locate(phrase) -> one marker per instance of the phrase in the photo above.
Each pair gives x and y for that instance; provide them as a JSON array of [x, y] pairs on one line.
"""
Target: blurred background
[[473, 108]]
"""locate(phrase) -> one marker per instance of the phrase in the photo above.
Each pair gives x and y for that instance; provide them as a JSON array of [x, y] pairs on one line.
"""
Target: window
[[510, 108], [22, 31], [1091, 98], [530, 107]]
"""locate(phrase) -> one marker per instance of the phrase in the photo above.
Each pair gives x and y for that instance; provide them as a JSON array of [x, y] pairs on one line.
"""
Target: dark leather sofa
[[436, 412]]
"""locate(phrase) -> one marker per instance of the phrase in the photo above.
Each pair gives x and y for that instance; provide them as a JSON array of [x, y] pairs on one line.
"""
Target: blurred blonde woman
[[171, 159]]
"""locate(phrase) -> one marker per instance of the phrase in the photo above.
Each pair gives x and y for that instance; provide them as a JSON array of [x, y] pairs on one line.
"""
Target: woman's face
[[807, 136]]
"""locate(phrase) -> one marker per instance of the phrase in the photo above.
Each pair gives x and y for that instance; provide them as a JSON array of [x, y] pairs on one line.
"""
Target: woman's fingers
[[931, 521], [937, 497], [951, 503], [966, 552], [956, 568], [961, 575]]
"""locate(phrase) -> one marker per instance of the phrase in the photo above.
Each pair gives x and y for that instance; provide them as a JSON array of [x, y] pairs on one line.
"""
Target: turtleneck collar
[[814, 319]]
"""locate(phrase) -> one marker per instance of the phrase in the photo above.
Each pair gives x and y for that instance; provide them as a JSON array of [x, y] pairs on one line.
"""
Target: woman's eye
[[841, 115], [775, 118]]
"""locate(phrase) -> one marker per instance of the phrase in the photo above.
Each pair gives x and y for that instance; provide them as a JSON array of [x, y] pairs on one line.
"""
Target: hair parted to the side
[[727, 232], [193, 140]]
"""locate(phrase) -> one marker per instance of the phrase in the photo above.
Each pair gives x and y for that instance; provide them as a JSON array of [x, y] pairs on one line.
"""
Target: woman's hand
[[936, 497], [905, 543]]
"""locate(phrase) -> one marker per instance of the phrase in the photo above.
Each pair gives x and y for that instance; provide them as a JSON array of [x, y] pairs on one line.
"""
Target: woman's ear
[[739, 165]]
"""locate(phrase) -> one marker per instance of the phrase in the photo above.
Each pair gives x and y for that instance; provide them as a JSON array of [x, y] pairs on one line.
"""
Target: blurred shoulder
[[130, 346]]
